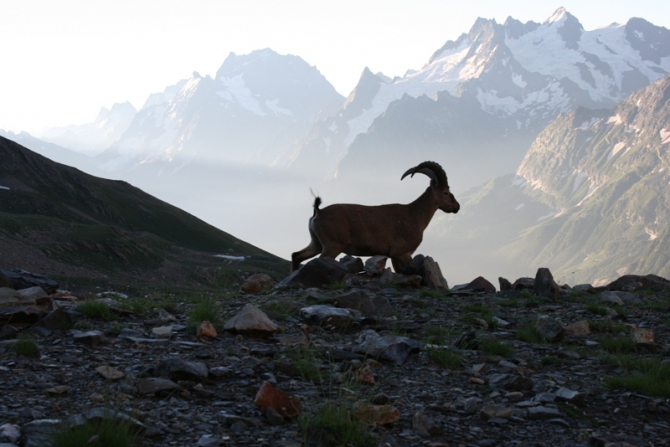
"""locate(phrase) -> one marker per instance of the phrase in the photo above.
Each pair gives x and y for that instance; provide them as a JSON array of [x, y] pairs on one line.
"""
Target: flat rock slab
[[179, 369], [20, 279], [152, 385], [541, 413], [368, 303], [89, 338], [109, 372], [40, 433], [251, 321], [389, 347], [323, 315], [510, 382], [286, 404]]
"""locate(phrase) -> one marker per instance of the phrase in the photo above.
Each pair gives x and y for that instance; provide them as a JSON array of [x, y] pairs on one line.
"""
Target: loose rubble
[[417, 365]]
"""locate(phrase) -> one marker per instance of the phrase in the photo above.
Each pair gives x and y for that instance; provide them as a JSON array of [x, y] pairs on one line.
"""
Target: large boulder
[[21, 279], [353, 264], [431, 274], [544, 284], [629, 283], [318, 272]]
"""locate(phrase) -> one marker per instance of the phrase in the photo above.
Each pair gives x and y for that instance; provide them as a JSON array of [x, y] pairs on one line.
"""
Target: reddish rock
[[642, 335], [287, 405], [365, 375], [376, 414], [257, 283], [578, 329], [206, 329]]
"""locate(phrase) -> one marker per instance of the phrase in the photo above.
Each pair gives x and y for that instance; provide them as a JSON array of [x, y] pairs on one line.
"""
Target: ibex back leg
[[313, 249]]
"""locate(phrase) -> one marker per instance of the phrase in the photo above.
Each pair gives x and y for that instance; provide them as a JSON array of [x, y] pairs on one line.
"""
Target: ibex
[[392, 230]]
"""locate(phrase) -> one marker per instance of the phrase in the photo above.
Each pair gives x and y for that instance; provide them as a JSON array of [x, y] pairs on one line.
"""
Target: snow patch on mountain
[[235, 87]]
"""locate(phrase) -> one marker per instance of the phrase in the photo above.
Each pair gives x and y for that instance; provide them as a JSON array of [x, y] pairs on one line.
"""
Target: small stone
[[58, 389], [176, 368], [542, 413], [424, 425], [258, 283], [109, 373], [495, 411], [376, 414], [89, 338], [273, 416], [365, 375], [551, 330], [510, 382], [10, 432], [206, 330], [97, 398], [286, 404], [565, 393], [578, 329], [165, 315], [353, 265], [470, 404], [480, 323], [375, 265], [153, 385], [477, 381], [514, 396], [209, 441], [162, 331]]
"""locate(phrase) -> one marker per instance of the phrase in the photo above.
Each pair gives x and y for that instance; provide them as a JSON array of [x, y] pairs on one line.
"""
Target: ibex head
[[438, 183]]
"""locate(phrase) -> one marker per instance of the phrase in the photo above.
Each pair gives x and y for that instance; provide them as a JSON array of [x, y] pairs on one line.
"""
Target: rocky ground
[[392, 365]]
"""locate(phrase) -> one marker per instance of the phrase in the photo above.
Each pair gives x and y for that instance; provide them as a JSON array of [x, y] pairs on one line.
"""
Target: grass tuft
[[496, 347], [648, 375], [335, 424], [617, 345], [529, 334], [207, 309], [445, 357], [106, 432], [26, 347], [97, 310]]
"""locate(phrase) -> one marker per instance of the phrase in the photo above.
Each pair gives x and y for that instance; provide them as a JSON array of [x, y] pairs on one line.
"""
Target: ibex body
[[390, 230]]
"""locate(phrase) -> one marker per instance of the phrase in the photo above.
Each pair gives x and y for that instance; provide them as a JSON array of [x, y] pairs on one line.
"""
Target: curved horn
[[433, 170]]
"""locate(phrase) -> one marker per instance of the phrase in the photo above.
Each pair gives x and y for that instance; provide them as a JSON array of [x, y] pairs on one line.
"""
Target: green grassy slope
[[103, 225]]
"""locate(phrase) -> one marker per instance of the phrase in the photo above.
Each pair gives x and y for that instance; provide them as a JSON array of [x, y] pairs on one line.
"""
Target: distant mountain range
[[590, 199], [242, 148]]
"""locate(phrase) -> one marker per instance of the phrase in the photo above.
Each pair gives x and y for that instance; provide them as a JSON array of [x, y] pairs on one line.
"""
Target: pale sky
[[64, 59]]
